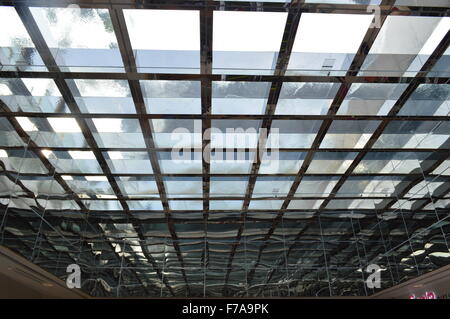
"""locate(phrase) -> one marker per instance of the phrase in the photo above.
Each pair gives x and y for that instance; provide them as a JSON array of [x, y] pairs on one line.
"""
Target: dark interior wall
[[10, 288]]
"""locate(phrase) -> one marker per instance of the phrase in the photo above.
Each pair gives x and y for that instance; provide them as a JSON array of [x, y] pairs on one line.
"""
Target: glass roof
[[222, 149]]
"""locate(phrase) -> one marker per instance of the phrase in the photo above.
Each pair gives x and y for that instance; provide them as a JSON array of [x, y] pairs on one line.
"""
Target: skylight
[[404, 44], [82, 155], [246, 42], [47, 153], [115, 155], [108, 125], [162, 194], [65, 30], [64, 125], [326, 43], [163, 45], [96, 178], [18, 51], [26, 124]]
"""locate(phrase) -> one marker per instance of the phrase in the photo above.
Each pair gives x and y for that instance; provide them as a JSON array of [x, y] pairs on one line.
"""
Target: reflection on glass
[[247, 42], [177, 133], [330, 162], [54, 132], [392, 162], [428, 99], [180, 163], [349, 134], [17, 51], [233, 97], [231, 162], [305, 98], [102, 96], [172, 97], [228, 186], [65, 31], [293, 134], [323, 50], [128, 162], [403, 45], [415, 134], [267, 186], [118, 133], [371, 98], [32, 95], [162, 46], [234, 133]]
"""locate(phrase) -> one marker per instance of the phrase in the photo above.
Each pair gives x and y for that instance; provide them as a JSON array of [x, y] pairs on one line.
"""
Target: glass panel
[[186, 205], [228, 186], [414, 134], [42, 185], [128, 162], [247, 42], [118, 133], [349, 134], [316, 186], [371, 186], [162, 46], [65, 30], [426, 3], [180, 163], [293, 134], [298, 98], [138, 186], [442, 66], [23, 161], [54, 132], [330, 162], [239, 97], [183, 186], [265, 204], [17, 51], [371, 98], [231, 162], [323, 50], [172, 97], [102, 96], [103, 205], [304, 204], [177, 133], [234, 133], [391, 163], [91, 188], [443, 169], [403, 45], [74, 162], [266, 186], [350, 204], [32, 95], [281, 162], [225, 204], [145, 205], [8, 136], [428, 99]]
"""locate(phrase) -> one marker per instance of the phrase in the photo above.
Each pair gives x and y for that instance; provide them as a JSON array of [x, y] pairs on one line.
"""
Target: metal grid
[[289, 250]]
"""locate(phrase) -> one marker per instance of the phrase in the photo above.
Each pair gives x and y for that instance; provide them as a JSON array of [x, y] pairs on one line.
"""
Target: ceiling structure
[[106, 109]]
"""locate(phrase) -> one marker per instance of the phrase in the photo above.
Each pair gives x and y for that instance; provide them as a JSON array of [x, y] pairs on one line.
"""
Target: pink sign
[[427, 295]]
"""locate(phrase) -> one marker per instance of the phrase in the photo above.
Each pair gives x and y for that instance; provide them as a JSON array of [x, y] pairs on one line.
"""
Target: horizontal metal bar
[[228, 117], [231, 6]]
